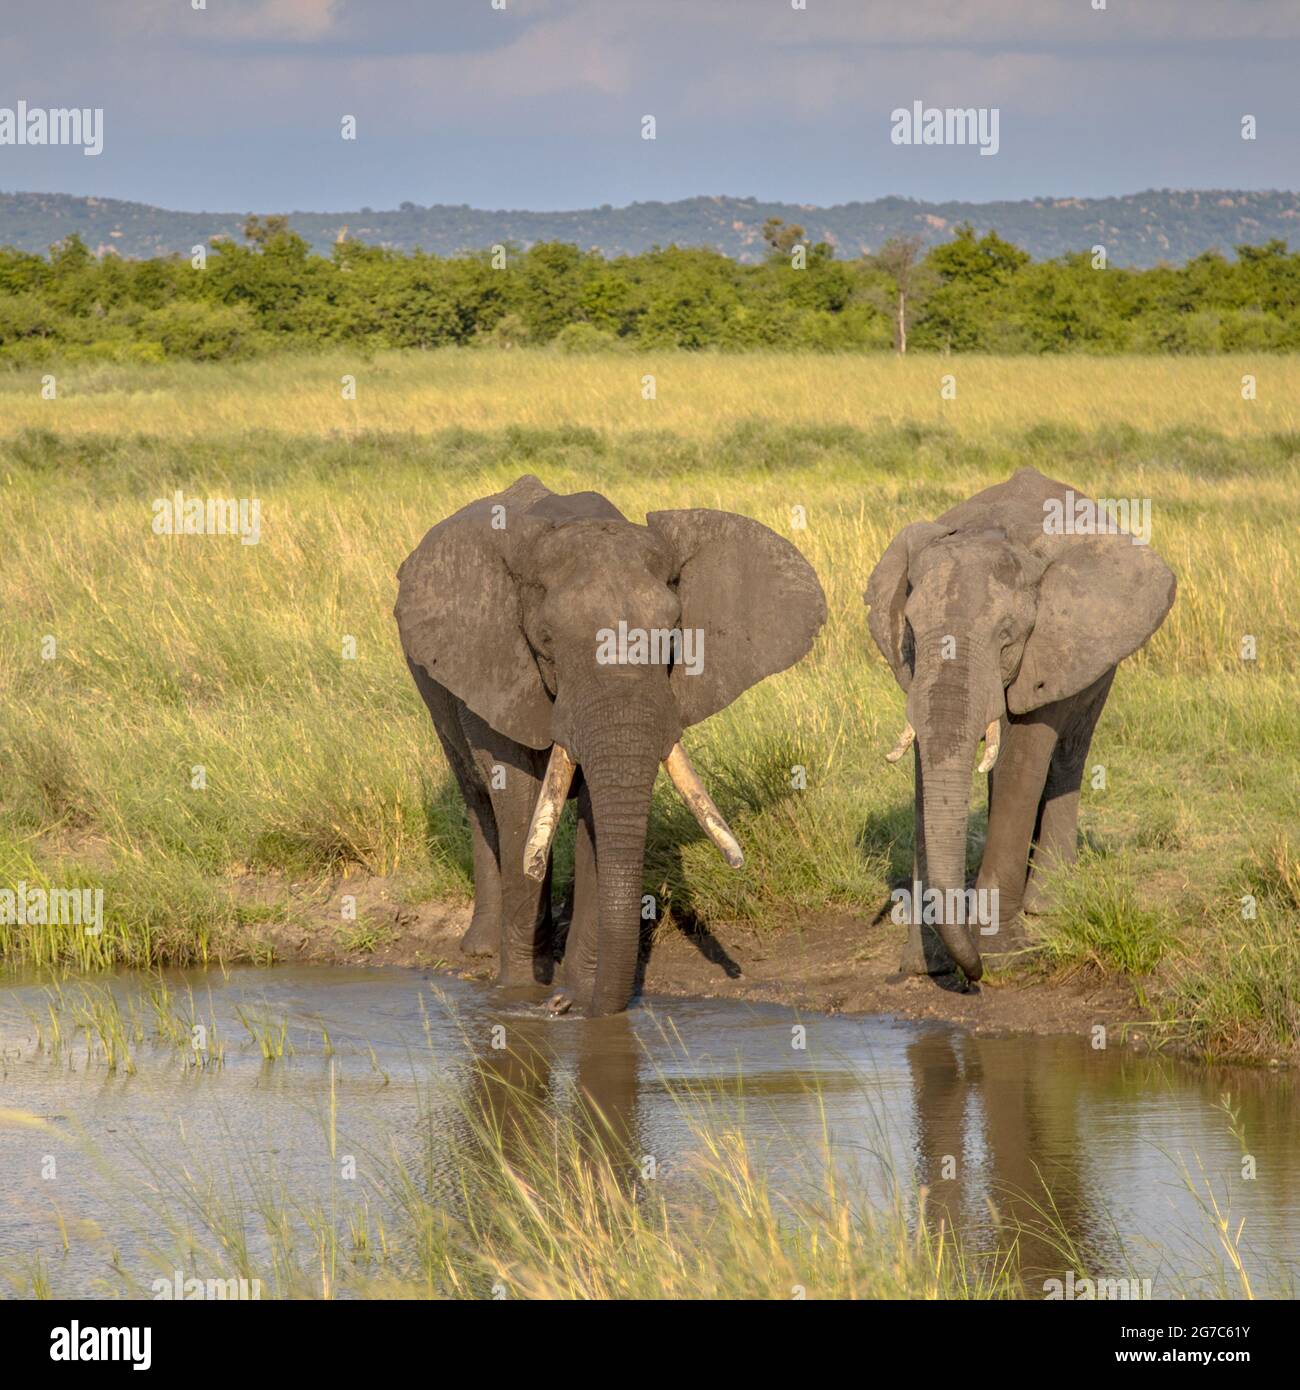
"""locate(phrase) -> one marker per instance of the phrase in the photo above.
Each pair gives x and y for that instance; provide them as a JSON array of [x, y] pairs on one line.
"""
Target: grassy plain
[[695, 394], [169, 654]]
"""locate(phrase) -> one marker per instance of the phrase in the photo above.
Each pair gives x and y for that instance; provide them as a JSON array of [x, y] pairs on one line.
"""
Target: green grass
[[1097, 920], [177, 653], [88, 1019]]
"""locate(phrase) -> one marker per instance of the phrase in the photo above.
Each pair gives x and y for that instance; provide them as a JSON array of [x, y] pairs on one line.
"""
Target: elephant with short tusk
[[1005, 620], [562, 650]]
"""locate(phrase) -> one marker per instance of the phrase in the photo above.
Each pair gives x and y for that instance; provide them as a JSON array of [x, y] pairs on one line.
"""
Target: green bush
[[583, 337], [28, 316], [969, 294], [202, 332]]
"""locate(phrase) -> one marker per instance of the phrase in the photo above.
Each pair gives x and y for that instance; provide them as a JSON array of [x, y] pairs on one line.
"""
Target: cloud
[[276, 19], [1014, 24], [458, 101]]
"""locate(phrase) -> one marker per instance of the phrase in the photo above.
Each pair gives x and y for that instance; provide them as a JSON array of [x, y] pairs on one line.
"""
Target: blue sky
[[538, 105]]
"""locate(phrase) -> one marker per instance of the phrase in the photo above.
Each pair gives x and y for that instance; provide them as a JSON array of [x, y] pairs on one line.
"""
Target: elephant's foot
[[482, 936], [924, 953], [912, 961], [575, 978], [572, 993], [525, 974]]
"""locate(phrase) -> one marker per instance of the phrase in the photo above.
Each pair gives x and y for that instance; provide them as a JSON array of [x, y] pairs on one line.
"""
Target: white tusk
[[546, 815], [687, 781], [992, 738], [904, 743]]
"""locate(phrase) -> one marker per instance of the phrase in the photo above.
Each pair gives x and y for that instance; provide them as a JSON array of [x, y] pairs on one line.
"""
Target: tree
[[782, 237], [971, 302], [70, 255], [900, 260], [985, 261], [546, 287], [259, 230]]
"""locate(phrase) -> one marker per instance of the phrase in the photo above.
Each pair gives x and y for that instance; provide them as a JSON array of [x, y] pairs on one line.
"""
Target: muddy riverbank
[[831, 962]]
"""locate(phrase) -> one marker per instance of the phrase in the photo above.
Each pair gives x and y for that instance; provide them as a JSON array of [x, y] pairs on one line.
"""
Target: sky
[[539, 104]]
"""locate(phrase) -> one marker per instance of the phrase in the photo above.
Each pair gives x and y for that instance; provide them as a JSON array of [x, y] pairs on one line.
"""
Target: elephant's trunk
[[619, 745], [951, 704], [945, 799]]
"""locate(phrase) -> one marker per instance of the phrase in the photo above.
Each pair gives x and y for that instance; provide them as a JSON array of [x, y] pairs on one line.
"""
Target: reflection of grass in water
[[545, 1203], [551, 1201], [1222, 1271], [559, 1208]]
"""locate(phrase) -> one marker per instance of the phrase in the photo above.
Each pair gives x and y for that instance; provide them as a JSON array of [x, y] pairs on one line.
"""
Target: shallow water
[[91, 1202]]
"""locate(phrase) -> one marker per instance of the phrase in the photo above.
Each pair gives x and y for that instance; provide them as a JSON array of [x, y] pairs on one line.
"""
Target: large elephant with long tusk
[[1005, 619], [562, 650]]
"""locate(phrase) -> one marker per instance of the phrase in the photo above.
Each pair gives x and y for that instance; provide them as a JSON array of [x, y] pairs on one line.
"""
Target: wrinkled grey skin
[[499, 624], [1040, 622]]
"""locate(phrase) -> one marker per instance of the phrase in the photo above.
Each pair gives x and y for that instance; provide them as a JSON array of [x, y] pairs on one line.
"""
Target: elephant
[[1005, 619], [561, 650]]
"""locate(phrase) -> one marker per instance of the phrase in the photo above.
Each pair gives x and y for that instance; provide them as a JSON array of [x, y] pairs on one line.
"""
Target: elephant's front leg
[[513, 775], [1016, 787], [526, 928], [1058, 829], [483, 935]]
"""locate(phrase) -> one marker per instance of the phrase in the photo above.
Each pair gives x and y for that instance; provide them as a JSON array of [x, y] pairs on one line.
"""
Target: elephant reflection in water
[[518, 1090], [997, 1145], [1000, 1146]]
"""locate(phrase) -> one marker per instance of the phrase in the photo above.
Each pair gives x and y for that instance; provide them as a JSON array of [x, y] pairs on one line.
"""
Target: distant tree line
[[971, 294]]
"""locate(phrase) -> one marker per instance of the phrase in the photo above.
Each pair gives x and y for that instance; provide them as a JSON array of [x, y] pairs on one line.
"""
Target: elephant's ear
[[1098, 602], [755, 598], [458, 613], [887, 592]]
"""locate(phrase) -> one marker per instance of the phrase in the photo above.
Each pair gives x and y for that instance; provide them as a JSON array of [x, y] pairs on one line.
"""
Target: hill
[[1139, 229]]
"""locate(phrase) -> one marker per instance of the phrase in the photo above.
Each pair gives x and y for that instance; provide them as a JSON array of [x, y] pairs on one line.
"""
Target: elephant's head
[[565, 626], [987, 614]]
